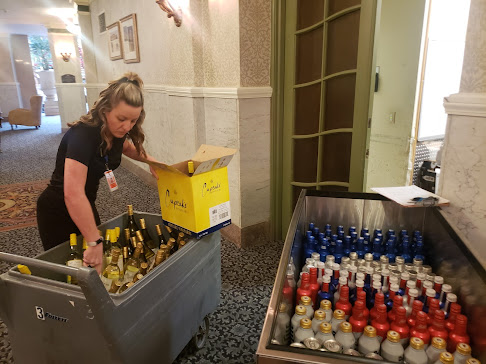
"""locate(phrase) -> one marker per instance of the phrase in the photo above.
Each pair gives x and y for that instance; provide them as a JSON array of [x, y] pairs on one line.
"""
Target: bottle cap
[[405, 276], [305, 323], [353, 268], [393, 280], [418, 262], [320, 265], [361, 262], [376, 284], [325, 305], [319, 314], [305, 301], [345, 327], [359, 283], [421, 276], [368, 257], [384, 259], [325, 327], [142, 224], [385, 272], [316, 256], [451, 297], [393, 336], [360, 276], [411, 284], [430, 292], [335, 266], [326, 279], [353, 256], [376, 277], [343, 274], [72, 239], [345, 260], [369, 270], [282, 307], [369, 331], [394, 267], [463, 349], [472, 361], [376, 264], [426, 269], [338, 314], [130, 209], [395, 273], [427, 284], [328, 272], [439, 279], [330, 258], [416, 343], [413, 275], [300, 310], [190, 167], [430, 277], [399, 260], [343, 281], [413, 292], [394, 287], [409, 266], [446, 357], [438, 343], [447, 288]]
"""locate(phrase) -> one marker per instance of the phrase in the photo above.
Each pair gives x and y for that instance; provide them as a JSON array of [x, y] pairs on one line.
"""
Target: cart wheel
[[198, 340]]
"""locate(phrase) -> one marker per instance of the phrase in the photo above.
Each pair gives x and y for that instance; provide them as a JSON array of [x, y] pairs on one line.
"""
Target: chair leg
[[37, 127]]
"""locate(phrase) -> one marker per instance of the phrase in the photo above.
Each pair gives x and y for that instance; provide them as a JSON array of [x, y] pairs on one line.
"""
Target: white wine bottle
[[74, 258], [131, 225], [149, 254], [112, 272], [132, 266], [146, 236]]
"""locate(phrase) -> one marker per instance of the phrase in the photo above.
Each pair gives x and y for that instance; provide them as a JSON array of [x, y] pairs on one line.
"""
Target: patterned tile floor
[[247, 275]]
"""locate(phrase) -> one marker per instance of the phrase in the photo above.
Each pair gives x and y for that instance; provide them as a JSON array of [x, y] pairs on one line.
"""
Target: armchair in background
[[27, 117]]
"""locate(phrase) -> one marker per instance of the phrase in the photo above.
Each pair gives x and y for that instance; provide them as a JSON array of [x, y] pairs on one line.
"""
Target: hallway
[[27, 161]]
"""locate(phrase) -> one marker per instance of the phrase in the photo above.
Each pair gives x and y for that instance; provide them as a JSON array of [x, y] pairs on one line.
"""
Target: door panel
[[327, 75]]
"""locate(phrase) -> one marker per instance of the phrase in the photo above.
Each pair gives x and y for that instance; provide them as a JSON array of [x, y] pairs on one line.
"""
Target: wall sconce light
[[171, 11], [66, 56]]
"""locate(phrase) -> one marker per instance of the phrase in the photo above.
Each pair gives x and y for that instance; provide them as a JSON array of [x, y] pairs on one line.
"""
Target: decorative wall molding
[[70, 85], [206, 92], [467, 104]]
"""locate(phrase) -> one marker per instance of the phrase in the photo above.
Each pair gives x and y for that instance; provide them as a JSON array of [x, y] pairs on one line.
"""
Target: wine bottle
[[115, 286], [107, 249], [132, 266], [159, 258], [128, 242], [112, 272], [74, 259], [180, 237], [146, 237], [143, 268], [190, 168], [171, 245], [131, 225], [116, 245], [160, 235], [146, 249]]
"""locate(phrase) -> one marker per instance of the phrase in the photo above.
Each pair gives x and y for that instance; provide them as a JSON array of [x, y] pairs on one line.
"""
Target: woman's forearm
[[81, 213]]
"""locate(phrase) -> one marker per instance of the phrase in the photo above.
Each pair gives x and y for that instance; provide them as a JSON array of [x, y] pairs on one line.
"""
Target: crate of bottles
[[151, 301], [363, 277]]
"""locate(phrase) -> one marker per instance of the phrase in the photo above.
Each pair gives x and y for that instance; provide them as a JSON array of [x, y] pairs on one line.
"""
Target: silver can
[[298, 345], [351, 352], [312, 343], [333, 346]]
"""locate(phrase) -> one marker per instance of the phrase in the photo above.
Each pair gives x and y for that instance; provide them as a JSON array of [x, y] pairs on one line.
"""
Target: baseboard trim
[[253, 235]]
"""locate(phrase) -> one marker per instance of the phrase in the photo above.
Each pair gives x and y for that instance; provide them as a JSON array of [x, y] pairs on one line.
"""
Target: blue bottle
[[321, 238], [360, 248], [367, 242], [339, 252], [328, 226], [376, 249], [364, 231], [390, 233], [347, 245], [419, 251], [390, 251], [370, 300], [310, 248], [377, 231], [328, 233], [315, 232], [340, 228], [323, 252], [406, 251], [340, 235], [352, 229], [311, 226]]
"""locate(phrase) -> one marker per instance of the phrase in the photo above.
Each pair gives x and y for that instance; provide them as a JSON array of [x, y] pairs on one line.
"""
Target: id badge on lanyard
[[110, 177]]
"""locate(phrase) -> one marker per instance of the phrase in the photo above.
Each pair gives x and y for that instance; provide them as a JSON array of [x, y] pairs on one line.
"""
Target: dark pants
[[53, 219]]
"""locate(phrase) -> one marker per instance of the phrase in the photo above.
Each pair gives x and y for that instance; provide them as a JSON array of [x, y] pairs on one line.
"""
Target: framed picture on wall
[[129, 36], [114, 41]]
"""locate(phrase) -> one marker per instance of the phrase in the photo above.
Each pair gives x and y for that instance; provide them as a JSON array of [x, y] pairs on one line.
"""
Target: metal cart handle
[[94, 291]]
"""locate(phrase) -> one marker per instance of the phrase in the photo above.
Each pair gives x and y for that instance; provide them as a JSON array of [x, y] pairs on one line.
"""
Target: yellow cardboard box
[[196, 204]]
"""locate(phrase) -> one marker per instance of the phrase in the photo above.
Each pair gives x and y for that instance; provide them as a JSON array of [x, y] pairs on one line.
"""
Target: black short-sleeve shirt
[[83, 143]]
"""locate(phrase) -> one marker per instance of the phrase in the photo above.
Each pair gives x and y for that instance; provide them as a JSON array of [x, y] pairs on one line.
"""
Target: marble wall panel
[[9, 97], [254, 128], [7, 70], [23, 68], [70, 107], [463, 173]]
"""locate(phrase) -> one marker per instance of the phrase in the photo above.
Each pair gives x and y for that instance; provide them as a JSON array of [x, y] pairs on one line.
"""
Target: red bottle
[[416, 307], [420, 329], [362, 297], [397, 302], [313, 286], [381, 323], [379, 300], [288, 293], [437, 328], [304, 289], [434, 306], [455, 310], [400, 325], [357, 319], [343, 303], [458, 334]]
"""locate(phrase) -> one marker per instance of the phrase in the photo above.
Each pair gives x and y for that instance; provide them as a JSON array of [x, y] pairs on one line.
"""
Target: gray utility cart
[[50, 321]]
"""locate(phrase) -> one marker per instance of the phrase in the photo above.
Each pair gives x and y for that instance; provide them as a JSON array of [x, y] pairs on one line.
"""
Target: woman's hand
[[93, 257]]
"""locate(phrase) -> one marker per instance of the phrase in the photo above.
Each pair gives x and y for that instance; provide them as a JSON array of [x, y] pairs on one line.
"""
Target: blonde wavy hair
[[129, 89]]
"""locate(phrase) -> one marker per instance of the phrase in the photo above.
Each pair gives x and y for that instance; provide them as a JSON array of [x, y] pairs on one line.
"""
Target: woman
[[92, 146]]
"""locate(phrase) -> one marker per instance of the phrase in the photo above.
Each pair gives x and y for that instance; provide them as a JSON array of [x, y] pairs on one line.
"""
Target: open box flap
[[210, 157]]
